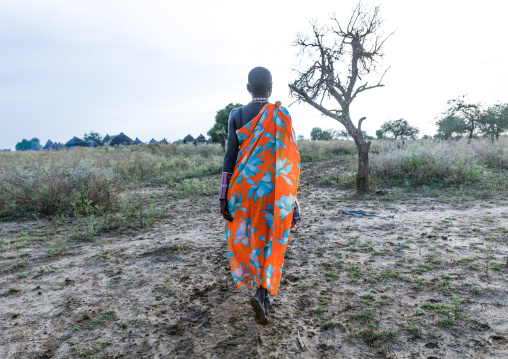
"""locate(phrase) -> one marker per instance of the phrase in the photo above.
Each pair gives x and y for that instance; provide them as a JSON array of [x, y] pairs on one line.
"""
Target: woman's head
[[260, 82]]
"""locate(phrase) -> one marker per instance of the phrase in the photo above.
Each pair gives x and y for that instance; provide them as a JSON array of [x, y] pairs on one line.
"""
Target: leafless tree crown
[[334, 50], [339, 57]]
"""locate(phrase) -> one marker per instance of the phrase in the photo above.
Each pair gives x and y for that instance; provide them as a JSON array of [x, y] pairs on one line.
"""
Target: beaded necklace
[[259, 99]]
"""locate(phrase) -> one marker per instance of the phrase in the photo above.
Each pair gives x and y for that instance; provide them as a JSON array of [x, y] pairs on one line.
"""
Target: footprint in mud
[[238, 347], [185, 347], [499, 339]]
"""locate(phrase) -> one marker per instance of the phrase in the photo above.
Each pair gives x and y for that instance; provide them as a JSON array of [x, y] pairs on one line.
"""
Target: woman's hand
[[224, 210]]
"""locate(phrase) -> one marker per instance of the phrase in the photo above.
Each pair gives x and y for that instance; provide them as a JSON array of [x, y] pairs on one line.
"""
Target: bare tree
[[339, 57]]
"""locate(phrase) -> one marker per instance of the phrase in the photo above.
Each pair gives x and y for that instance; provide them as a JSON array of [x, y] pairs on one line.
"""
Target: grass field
[[120, 252]]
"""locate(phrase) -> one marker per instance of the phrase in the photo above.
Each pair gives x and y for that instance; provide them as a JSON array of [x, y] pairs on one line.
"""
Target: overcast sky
[[162, 69]]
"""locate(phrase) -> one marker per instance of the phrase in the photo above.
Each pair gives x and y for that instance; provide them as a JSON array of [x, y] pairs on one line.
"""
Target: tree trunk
[[362, 177], [223, 144]]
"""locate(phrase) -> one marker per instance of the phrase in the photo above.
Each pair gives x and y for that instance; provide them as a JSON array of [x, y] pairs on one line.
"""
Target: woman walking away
[[258, 191]]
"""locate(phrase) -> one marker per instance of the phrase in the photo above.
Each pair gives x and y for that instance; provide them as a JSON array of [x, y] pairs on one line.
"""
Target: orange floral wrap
[[261, 196]]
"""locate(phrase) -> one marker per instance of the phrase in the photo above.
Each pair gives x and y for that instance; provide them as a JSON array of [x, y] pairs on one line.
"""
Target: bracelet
[[296, 213], [224, 183]]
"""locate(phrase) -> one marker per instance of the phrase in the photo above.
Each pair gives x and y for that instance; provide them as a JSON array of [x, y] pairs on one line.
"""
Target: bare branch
[[383, 75], [365, 86], [360, 124], [336, 95], [307, 99]]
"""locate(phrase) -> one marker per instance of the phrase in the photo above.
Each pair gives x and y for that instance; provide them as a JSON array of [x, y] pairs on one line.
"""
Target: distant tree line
[[460, 118], [26, 145], [472, 119], [317, 134]]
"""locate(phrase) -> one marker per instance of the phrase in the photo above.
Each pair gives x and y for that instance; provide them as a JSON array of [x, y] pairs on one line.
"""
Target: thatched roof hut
[[49, 145], [152, 141], [121, 139], [76, 142], [92, 143], [209, 140], [201, 138], [163, 141], [106, 139], [188, 139], [137, 141]]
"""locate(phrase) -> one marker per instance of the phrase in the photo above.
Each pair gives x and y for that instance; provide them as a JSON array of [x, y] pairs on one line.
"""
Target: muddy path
[[425, 280]]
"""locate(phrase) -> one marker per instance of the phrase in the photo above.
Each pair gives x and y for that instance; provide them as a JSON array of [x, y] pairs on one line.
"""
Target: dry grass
[[76, 180], [51, 182], [151, 163], [438, 162], [312, 151], [51, 187]]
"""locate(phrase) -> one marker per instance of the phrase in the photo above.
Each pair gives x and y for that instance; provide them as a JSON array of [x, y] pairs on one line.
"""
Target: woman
[[258, 191]]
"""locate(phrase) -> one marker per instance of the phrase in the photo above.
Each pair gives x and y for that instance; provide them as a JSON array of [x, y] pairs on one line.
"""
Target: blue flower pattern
[[262, 188], [249, 165], [273, 143], [285, 204], [285, 237], [268, 215], [281, 169], [235, 203]]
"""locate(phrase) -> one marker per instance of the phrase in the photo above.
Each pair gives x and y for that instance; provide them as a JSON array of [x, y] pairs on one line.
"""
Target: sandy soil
[[349, 289]]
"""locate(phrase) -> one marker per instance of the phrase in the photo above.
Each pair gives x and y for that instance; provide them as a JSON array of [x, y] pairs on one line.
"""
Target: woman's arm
[[228, 165], [232, 150]]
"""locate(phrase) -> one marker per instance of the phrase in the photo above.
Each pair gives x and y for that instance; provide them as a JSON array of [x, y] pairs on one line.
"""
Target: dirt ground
[[428, 279]]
